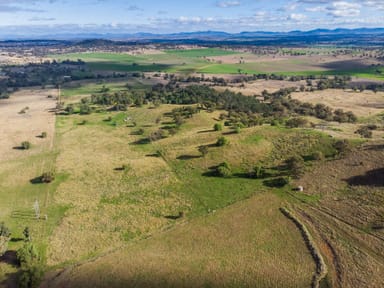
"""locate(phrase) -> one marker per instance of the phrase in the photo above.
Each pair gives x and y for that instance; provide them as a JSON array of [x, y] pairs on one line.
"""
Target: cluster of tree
[[337, 82], [31, 263]]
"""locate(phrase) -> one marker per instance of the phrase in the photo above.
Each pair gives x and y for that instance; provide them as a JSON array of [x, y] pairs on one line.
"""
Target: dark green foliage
[[224, 170], [85, 109], [296, 122], [278, 182], [31, 266], [70, 109], [27, 236], [25, 145], [217, 127], [222, 141], [259, 171], [5, 234]]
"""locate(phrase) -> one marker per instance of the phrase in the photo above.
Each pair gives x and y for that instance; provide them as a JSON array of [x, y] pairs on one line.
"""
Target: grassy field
[[19, 167], [250, 244], [118, 196], [218, 61]]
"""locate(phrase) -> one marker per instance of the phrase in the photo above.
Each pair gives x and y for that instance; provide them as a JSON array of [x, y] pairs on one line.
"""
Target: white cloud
[[316, 9], [344, 9], [297, 17], [227, 4]]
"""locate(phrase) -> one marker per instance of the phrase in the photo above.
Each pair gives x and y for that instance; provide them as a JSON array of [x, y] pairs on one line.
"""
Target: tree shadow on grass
[[18, 148], [373, 178], [141, 141], [10, 258], [188, 157], [36, 180], [206, 131]]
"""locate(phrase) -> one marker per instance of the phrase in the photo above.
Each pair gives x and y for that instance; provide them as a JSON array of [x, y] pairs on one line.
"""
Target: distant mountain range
[[374, 36]]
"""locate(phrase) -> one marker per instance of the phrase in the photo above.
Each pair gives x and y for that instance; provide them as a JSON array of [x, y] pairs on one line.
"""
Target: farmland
[[216, 61], [173, 167]]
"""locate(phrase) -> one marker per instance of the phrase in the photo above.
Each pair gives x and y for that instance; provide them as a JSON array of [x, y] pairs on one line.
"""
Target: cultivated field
[[219, 61]]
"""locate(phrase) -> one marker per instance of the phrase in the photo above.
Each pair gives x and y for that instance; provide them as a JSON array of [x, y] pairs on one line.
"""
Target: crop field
[[218, 61]]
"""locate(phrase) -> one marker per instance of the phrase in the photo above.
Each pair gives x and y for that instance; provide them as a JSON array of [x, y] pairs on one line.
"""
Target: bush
[[43, 134], [259, 171], [364, 132], [4, 238], [47, 177], [217, 127], [31, 266], [25, 145], [222, 141], [224, 170], [85, 109], [296, 122], [342, 147]]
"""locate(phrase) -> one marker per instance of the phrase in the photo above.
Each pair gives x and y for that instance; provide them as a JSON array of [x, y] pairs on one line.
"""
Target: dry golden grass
[[363, 104], [107, 205], [258, 86], [344, 220], [250, 244]]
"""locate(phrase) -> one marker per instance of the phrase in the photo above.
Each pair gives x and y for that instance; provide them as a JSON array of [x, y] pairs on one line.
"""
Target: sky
[[170, 16]]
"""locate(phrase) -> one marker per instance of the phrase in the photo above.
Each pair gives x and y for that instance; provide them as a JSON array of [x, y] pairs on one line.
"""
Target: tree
[[342, 147], [25, 145], [296, 166], [26, 234], [217, 127], [224, 170], [203, 150], [222, 141], [4, 238]]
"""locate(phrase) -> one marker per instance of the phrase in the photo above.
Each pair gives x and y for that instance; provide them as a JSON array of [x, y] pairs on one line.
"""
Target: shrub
[[222, 141], [296, 122], [342, 147], [364, 132], [156, 135], [217, 127], [70, 109], [224, 170], [31, 266], [85, 109], [25, 145], [47, 177], [43, 134], [259, 171], [4, 238]]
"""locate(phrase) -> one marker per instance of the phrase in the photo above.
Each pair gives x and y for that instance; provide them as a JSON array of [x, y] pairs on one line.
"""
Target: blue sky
[[165, 16]]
